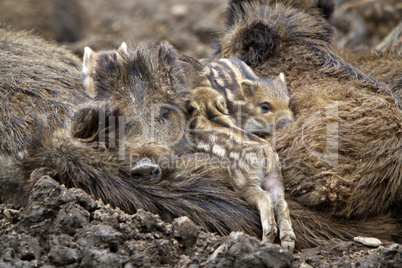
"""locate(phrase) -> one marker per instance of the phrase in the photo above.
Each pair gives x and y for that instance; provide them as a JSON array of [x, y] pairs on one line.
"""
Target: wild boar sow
[[40, 83], [342, 154]]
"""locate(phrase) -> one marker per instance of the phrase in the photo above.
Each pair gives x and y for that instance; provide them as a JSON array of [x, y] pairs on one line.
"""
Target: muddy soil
[[68, 228]]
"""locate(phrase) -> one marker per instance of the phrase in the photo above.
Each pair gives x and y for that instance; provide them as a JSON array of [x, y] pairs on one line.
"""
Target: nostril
[[155, 171], [136, 175]]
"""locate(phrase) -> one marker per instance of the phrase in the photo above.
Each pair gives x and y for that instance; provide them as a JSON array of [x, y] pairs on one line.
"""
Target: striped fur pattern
[[252, 162], [258, 105]]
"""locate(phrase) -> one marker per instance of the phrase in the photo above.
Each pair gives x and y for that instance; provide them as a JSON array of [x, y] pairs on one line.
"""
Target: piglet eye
[[265, 107], [292, 104]]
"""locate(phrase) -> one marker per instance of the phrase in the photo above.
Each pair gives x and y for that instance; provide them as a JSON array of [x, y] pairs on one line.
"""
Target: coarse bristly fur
[[342, 155], [40, 85], [385, 65], [310, 227], [39, 82], [91, 153]]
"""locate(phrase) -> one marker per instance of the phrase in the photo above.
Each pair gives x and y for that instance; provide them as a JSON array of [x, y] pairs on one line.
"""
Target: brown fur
[[196, 187], [384, 65], [254, 170], [342, 155], [310, 226], [40, 83], [91, 154], [258, 105], [91, 61]]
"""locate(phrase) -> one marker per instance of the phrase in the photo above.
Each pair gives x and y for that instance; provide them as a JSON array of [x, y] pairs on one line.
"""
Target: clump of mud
[[67, 227]]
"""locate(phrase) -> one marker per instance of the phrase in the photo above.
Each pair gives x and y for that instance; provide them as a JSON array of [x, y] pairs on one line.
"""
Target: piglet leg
[[274, 185]]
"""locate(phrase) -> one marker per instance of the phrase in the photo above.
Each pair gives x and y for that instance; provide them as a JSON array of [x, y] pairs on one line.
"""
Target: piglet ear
[[221, 105], [248, 89], [281, 77], [98, 123], [193, 107]]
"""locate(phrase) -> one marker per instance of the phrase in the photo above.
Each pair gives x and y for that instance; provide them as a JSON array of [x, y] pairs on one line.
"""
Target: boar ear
[[253, 43], [169, 65], [281, 77], [97, 123], [88, 66], [248, 89], [87, 61], [221, 105], [123, 48]]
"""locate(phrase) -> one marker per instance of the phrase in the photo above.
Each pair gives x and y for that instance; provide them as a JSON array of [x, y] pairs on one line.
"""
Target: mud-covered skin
[[258, 105], [254, 169]]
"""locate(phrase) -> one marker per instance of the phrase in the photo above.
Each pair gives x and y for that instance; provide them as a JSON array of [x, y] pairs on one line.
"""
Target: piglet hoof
[[288, 240], [269, 234]]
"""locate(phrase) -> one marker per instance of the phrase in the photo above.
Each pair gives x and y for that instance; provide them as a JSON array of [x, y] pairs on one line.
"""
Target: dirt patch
[[67, 227]]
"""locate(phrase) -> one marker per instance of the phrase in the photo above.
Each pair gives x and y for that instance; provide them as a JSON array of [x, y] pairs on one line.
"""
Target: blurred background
[[189, 25]]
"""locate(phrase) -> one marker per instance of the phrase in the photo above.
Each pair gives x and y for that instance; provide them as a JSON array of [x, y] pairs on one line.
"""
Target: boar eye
[[164, 114], [265, 107]]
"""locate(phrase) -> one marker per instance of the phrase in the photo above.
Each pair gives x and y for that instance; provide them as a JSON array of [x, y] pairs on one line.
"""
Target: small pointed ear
[[248, 89], [87, 60], [123, 48], [169, 65], [281, 77], [221, 105], [193, 107]]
